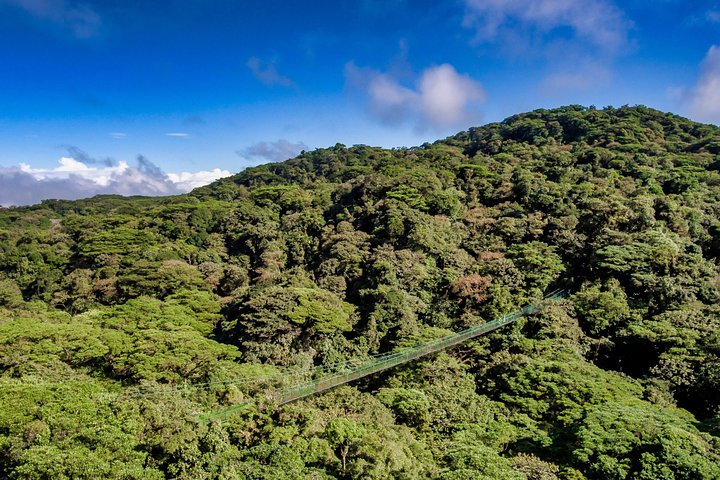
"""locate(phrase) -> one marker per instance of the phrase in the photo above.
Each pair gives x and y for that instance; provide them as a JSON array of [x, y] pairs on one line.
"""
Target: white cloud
[[68, 167], [445, 95], [186, 181], [598, 22], [72, 179], [441, 98], [705, 96], [178, 134], [118, 135], [389, 100]]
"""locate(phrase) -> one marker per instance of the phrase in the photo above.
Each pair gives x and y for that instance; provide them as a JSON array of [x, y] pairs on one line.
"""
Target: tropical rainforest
[[124, 322]]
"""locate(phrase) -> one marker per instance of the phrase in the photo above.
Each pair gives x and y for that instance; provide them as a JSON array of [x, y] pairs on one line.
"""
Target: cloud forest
[[127, 322]]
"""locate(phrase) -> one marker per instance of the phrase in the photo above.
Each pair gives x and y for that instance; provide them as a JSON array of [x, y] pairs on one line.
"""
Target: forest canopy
[[123, 320]]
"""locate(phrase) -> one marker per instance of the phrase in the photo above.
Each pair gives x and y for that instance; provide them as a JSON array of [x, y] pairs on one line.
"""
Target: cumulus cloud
[[446, 94], [440, 98], [705, 96], [390, 101], [186, 181], [69, 167], [599, 22], [267, 73], [72, 179], [79, 17], [273, 151]]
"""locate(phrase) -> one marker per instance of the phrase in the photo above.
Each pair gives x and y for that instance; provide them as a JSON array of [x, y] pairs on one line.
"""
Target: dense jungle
[[125, 320]]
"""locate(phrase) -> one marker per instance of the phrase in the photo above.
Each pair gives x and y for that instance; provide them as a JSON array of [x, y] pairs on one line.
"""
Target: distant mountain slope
[[107, 304]]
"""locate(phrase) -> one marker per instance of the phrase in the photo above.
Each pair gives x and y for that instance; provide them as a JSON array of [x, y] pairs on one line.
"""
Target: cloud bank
[[705, 97], [73, 179], [441, 98]]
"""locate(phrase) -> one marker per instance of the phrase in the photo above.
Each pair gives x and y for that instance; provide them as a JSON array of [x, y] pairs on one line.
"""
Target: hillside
[[122, 320]]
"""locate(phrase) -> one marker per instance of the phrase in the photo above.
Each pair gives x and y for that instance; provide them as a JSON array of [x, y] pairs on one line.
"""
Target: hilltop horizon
[[119, 179]]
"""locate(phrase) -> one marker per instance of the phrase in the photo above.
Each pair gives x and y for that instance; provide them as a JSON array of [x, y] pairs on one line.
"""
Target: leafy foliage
[[123, 319]]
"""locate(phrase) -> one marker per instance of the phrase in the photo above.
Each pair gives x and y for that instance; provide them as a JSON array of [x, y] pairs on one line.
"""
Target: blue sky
[[156, 97]]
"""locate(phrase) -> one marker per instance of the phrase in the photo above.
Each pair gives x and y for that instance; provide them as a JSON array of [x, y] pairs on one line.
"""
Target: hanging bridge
[[294, 386]]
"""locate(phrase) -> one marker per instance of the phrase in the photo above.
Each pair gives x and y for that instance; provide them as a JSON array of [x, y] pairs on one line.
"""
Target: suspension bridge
[[293, 386]]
